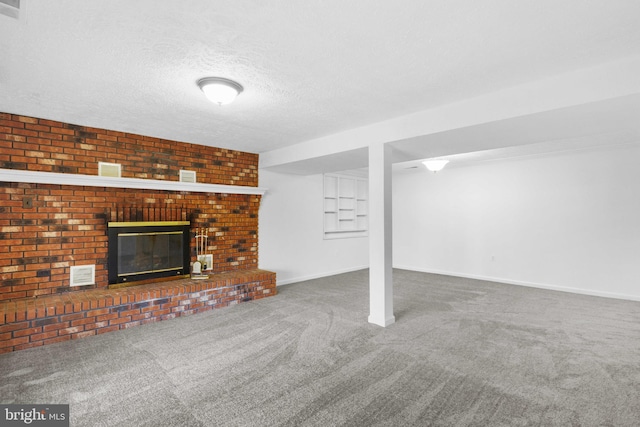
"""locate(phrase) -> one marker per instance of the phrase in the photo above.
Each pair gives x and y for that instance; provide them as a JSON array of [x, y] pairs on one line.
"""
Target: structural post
[[380, 236]]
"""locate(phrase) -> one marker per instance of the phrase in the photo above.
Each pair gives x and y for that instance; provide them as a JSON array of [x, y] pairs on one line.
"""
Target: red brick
[[13, 342], [44, 335], [26, 332], [25, 119], [96, 325], [29, 345], [129, 313], [108, 329], [55, 326], [107, 317], [57, 339], [120, 320], [71, 330], [158, 313], [14, 326], [72, 317], [97, 312], [141, 316], [83, 321]]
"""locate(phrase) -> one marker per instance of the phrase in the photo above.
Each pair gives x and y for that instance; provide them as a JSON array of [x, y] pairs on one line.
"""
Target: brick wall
[[29, 143], [67, 224]]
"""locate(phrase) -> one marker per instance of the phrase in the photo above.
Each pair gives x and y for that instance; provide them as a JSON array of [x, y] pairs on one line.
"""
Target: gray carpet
[[461, 353]]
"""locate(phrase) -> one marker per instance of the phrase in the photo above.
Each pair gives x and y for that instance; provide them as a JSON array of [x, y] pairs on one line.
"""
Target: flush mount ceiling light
[[435, 165], [219, 90]]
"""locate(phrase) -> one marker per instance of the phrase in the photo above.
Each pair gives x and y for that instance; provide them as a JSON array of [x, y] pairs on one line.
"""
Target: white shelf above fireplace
[[32, 177]]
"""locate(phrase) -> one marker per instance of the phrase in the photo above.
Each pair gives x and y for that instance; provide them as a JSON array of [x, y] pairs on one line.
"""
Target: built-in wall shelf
[[345, 206], [33, 177]]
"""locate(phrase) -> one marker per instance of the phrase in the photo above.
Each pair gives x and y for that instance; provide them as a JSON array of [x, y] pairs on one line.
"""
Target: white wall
[[566, 221], [291, 240]]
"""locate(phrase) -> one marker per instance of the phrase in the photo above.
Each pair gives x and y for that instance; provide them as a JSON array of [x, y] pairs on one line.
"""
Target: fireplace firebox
[[142, 251]]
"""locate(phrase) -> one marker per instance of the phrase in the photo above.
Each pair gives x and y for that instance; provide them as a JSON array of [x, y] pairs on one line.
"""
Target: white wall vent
[[83, 275], [187, 176], [110, 169], [10, 8]]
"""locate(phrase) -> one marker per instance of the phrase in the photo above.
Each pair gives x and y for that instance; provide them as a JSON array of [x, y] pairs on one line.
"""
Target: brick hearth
[[32, 322]]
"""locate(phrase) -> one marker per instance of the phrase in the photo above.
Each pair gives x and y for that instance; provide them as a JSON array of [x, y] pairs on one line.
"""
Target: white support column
[[380, 236]]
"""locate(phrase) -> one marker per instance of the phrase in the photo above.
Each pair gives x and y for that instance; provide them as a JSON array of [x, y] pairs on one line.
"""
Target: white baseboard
[[527, 284], [318, 275]]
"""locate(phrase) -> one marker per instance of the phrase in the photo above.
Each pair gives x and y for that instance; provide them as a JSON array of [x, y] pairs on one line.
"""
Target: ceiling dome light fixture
[[220, 90], [435, 165]]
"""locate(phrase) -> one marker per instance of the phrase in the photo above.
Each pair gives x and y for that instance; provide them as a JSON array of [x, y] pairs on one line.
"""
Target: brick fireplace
[[48, 228]]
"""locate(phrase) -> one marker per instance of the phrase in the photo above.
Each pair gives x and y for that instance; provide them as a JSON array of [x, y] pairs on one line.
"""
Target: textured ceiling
[[310, 68]]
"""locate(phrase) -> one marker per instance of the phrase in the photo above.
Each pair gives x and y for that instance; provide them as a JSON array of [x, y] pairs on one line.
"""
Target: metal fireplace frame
[[117, 228]]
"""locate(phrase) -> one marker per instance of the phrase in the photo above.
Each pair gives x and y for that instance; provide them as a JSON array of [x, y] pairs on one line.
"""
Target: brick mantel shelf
[[13, 175]]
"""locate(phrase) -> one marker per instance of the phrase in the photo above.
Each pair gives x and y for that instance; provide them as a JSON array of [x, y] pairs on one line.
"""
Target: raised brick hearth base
[[32, 322]]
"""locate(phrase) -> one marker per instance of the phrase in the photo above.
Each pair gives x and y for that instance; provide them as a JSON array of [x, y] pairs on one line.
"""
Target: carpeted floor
[[461, 353]]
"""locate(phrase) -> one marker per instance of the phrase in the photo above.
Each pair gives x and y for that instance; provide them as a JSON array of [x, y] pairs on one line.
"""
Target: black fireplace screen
[[148, 250]]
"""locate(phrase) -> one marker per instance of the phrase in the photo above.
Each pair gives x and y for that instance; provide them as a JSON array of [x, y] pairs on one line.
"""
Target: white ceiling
[[310, 68]]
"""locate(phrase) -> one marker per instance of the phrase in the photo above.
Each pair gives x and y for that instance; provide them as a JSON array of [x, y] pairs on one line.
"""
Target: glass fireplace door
[[142, 253]]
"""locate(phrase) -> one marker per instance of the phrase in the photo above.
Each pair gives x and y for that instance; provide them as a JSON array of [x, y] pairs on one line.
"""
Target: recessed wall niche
[[345, 206]]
